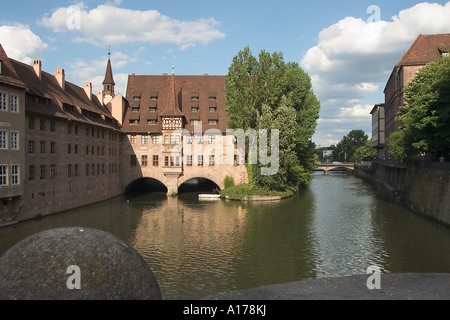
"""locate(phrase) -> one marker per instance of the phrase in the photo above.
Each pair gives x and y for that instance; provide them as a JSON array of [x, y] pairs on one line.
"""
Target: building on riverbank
[[423, 186], [176, 130], [63, 147], [63, 144], [12, 139], [425, 49]]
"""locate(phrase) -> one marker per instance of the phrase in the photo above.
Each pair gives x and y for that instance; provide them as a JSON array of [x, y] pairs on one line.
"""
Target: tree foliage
[[349, 144], [365, 153], [268, 93], [424, 119]]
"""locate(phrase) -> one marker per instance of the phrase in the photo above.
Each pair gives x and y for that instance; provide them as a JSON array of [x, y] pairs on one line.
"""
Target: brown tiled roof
[[109, 79], [172, 107], [425, 49], [50, 98], [175, 97], [8, 74]]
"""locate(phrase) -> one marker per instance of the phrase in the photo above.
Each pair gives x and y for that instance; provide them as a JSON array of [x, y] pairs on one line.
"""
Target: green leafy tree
[[365, 153], [424, 120], [349, 144], [268, 93]]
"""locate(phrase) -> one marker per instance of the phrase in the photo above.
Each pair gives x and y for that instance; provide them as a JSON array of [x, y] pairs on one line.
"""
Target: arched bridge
[[327, 167]]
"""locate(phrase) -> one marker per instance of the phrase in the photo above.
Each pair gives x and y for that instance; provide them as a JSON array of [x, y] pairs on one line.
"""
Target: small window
[[3, 176], [134, 122], [212, 122], [189, 161], [15, 174], [212, 109], [152, 109], [194, 98], [211, 139], [3, 101], [144, 160], [195, 109], [14, 140], [14, 103], [154, 97], [3, 140], [151, 122], [144, 139], [155, 161], [135, 109], [155, 139]]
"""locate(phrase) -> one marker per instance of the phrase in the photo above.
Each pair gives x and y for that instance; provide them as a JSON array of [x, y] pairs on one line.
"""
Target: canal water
[[336, 227]]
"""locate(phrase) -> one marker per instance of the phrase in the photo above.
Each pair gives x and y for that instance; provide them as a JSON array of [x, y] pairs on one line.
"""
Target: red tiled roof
[[174, 98], [48, 88], [425, 49], [8, 74]]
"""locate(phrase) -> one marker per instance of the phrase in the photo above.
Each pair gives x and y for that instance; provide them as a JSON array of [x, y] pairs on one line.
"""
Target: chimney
[[60, 76], [88, 89], [100, 96], [37, 66]]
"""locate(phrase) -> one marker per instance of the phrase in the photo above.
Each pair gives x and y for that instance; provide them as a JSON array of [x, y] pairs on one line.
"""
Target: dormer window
[[137, 98], [153, 96], [444, 51]]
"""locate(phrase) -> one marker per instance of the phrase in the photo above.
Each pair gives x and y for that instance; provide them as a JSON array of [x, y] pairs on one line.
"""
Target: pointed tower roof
[[109, 79], [172, 108]]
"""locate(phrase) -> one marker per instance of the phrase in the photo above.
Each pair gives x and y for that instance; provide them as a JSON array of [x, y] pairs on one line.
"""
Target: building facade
[[63, 147], [176, 128], [425, 49], [69, 149], [378, 130], [12, 139]]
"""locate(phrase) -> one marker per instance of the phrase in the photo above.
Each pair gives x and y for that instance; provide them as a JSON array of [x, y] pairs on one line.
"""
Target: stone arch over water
[[146, 184], [199, 184]]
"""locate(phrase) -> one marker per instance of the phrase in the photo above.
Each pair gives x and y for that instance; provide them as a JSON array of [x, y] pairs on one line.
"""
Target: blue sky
[[349, 48]]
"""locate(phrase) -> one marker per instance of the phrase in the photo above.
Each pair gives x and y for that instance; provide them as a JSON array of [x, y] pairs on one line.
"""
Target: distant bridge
[[327, 167]]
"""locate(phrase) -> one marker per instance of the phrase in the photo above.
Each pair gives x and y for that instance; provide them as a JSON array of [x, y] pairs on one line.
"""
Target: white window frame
[[3, 175], [14, 103], [15, 140], [211, 139], [3, 140], [15, 176], [3, 101]]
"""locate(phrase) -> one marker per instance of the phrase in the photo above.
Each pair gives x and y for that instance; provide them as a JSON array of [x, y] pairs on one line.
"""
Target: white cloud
[[110, 25], [354, 58], [21, 44], [81, 71]]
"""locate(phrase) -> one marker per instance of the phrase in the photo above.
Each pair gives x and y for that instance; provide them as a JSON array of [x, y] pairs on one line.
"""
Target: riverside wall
[[422, 186]]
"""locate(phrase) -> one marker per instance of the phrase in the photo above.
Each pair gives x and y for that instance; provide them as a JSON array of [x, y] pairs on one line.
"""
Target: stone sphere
[[75, 264]]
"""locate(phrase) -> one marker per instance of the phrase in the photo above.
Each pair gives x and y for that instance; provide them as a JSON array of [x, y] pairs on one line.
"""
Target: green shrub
[[228, 182]]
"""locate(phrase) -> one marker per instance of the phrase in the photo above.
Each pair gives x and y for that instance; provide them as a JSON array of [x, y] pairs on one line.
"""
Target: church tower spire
[[108, 83]]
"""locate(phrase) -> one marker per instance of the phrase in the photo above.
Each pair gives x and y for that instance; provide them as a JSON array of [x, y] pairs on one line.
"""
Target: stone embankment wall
[[422, 186]]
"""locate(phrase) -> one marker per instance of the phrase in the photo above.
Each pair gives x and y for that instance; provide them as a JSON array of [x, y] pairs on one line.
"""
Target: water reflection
[[336, 227]]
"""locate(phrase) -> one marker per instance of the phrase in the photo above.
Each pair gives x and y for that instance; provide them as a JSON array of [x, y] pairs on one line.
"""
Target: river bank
[[422, 186], [247, 192]]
